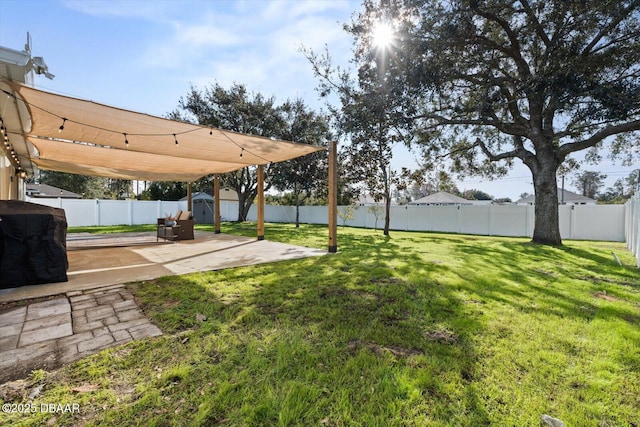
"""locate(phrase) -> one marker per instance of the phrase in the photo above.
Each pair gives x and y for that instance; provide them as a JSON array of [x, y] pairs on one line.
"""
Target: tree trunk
[[245, 200], [297, 211], [547, 224], [242, 212], [386, 176], [387, 214], [244, 208]]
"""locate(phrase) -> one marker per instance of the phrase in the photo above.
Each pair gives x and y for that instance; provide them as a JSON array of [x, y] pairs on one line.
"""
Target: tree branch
[[514, 52], [534, 19], [607, 28], [565, 149], [502, 83], [456, 151], [508, 128], [520, 152]]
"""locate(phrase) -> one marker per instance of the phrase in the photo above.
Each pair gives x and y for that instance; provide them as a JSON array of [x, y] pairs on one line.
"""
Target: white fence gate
[[632, 225]]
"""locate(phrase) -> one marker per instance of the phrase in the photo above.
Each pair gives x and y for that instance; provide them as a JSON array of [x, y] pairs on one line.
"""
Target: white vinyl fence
[[83, 213], [580, 222], [632, 225]]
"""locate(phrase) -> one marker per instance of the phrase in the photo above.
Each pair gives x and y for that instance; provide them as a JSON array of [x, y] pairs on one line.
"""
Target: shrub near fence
[[581, 222]]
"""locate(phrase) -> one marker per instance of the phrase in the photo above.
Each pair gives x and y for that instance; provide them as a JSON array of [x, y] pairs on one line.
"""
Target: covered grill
[[32, 244]]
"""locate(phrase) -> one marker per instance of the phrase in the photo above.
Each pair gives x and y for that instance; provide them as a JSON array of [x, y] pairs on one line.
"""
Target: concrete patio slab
[[132, 257], [94, 310]]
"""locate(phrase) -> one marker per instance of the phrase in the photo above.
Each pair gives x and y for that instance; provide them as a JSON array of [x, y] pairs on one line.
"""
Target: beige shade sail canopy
[[83, 137]]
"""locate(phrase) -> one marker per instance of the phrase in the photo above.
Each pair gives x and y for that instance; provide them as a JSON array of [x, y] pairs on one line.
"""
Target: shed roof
[[199, 195], [226, 194]]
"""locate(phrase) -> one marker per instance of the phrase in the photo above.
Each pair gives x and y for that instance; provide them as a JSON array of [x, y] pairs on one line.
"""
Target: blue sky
[[143, 55]]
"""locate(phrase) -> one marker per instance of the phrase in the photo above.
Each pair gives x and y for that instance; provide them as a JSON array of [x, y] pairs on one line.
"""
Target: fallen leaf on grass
[[36, 392], [444, 337], [603, 295], [201, 317], [378, 349], [85, 388]]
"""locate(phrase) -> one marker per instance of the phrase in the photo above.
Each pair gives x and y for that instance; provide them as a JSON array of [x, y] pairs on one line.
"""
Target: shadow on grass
[[383, 333], [418, 329], [566, 278], [364, 324]]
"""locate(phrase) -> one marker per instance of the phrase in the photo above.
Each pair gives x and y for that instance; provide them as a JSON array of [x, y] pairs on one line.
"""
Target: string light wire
[[195, 129]]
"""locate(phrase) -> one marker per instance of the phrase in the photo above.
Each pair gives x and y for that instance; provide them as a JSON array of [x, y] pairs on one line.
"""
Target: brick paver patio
[[93, 310], [48, 334]]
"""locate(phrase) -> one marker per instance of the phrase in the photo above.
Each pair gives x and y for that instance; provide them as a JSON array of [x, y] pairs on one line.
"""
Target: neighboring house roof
[[49, 191], [441, 198], [570, 198], [367, 200], [226, 194]]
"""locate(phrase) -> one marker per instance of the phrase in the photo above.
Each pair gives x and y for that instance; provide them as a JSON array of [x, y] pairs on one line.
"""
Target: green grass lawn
[[420, 329]]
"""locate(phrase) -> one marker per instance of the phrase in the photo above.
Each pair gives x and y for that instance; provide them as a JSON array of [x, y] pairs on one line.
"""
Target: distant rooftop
[[568, 198], [441, 198], [49, 191]]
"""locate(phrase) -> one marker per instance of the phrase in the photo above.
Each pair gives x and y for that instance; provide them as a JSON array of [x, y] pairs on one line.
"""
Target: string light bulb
[[210, 130], [175, 139], [61, 128], [126, 141], [242, 151]]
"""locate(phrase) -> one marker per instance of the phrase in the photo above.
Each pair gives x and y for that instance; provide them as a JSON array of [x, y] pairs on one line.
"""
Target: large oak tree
[[304, 176], [239, 110], [487, 82]]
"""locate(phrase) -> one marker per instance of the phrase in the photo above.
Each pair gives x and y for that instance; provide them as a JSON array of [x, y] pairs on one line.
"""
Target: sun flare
[[382, 34]]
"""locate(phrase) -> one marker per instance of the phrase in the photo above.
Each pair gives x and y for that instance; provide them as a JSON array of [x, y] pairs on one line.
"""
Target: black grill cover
[[33, 244]]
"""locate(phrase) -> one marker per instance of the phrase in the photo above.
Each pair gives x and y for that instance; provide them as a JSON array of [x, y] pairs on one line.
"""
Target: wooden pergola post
[[216, 203], [189, 202], [260, 202], [333, 197]]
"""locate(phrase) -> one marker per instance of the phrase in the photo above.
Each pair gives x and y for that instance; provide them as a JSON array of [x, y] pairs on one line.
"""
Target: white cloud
[[148, 10], [254, 43], [295, 9], [205, 35]]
